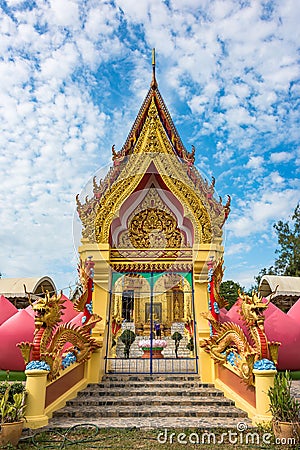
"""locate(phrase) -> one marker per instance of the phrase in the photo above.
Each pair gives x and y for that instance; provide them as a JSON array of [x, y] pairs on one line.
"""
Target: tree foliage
[[230, 291], [288, 237]]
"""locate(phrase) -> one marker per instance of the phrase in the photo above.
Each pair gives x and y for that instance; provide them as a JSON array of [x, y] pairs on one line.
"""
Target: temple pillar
[[36, 381], [202, 253], [264, 379], [101, 296]]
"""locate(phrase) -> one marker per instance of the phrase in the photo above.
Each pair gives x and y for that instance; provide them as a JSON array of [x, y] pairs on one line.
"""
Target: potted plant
[[177, 338], [284, 407], [157, 345], [128, 338], [12, 407]]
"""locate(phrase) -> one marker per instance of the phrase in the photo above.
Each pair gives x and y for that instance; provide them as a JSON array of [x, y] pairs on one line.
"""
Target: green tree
[[288, 237], [230, 291], [261, 273]]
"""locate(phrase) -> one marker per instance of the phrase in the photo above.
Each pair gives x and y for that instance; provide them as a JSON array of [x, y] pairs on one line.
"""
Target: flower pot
[[286, 430], [11, 432], [156, 353]]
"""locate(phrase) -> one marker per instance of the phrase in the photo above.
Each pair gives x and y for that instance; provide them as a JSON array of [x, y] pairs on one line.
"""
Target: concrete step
[[107, 400], [140, 377], [154, 411], [120, 399], [200, 423], [179, 392], [151, 384]]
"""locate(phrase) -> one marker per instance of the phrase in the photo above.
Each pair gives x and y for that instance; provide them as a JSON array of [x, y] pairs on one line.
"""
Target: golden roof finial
[[153, 82]]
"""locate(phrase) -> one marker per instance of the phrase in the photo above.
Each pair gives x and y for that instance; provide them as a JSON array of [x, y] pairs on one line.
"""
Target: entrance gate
[[151, 323]]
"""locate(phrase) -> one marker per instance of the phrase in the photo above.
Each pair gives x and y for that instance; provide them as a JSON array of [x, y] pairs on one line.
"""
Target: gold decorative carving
[[153, 228], [151, 267], [151, 200], [200, 212], [165, 234], [122, 188], [145, 254]]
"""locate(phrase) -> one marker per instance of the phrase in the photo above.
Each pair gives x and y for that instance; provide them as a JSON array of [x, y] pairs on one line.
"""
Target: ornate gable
[[154, 148]]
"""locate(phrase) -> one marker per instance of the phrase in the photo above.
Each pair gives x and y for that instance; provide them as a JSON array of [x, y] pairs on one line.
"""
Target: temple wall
[[101, 298]]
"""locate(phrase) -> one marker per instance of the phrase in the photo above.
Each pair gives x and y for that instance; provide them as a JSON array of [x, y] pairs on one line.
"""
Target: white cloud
[[276, 178], [281, 157], [197, 104], [239, 248], [66, 12], [223, 156], [243, 276], [255, 162], [258, 215], [51, 131], [229, 101]]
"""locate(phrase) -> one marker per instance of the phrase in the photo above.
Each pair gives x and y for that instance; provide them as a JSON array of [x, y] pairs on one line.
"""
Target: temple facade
[[153, 228]]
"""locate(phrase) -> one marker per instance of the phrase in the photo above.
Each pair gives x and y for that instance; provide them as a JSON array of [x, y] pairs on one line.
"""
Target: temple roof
[[154, 95], [154, 145]]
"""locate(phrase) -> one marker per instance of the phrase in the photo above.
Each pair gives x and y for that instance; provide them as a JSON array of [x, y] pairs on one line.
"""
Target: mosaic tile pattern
[[150, 402]]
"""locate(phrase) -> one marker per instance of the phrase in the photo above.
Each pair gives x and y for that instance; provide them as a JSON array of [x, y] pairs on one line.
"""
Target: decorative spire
[[153, 82]]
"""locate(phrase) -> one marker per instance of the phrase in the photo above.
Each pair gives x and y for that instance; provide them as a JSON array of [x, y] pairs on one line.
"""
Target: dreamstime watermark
[[242, 435]]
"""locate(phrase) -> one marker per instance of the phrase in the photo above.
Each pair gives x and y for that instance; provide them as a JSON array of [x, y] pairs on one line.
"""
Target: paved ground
[[148, 422], [296, 389]]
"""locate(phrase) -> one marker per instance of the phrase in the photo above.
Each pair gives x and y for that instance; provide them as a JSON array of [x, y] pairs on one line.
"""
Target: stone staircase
[[150, 402]]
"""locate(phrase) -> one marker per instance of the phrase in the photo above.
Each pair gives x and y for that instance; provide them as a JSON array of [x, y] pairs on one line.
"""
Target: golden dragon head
[[47, 310], [252, 308]]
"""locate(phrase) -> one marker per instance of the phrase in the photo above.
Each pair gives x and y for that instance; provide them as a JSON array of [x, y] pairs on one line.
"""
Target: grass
[[12, 375], [145, 439], [295, 375]]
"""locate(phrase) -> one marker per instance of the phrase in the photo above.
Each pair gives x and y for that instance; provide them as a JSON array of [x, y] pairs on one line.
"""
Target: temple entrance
[[151, 321]]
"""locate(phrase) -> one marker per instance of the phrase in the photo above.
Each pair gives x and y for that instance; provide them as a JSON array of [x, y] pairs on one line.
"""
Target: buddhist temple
[[151, 263], [152, 228]]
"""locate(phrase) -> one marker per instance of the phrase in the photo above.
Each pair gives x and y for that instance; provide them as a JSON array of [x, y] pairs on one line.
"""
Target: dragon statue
[[229, 344], [51, 337]]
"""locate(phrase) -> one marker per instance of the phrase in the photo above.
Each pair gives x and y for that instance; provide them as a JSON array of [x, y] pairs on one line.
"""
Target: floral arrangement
[[38, 365], [232, 358], [264, 364], [156, 344], [69, 358]]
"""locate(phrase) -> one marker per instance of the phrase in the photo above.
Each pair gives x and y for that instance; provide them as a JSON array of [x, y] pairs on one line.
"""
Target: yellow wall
[[101, 297]]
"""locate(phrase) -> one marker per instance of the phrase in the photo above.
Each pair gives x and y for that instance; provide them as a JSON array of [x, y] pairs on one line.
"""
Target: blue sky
[[73, 75]]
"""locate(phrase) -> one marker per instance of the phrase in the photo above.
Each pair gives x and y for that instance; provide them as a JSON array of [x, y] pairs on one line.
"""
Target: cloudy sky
[[73, 75]]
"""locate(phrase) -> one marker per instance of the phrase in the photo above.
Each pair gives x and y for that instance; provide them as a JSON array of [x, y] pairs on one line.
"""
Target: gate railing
[[152, 366]]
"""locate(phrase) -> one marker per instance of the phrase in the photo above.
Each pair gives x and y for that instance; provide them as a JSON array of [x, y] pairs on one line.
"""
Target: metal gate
[[151, 326]]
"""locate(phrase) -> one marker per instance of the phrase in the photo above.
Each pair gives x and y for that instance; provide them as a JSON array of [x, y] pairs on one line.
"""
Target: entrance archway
[[151, 323]]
